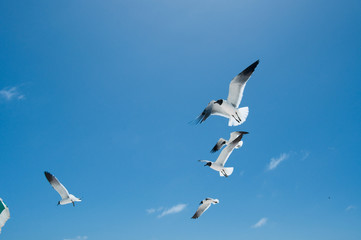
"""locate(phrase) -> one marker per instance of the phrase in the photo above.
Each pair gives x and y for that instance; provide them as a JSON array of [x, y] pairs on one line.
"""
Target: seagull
[[65, 196], [218, 165], [229, 108], [221, 142], [204, 205]]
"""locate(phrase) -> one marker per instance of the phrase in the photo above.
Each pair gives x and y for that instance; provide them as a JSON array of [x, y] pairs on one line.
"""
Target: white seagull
[[221, 142], [229, 108], [65, 196], [218, 165], [204, 205]]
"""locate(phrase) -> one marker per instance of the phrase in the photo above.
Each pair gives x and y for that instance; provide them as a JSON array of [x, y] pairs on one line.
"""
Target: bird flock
[[224, 108], [228, 109]]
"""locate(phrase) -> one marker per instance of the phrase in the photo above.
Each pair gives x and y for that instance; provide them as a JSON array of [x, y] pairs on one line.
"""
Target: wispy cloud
[[276, 161], [11, 93], [77, 238], [175, 209], [260, 223], [351, 207], [150, 210], [153, 210]]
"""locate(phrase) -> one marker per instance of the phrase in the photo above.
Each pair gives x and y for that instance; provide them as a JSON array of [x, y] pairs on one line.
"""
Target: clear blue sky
[[100, 94]]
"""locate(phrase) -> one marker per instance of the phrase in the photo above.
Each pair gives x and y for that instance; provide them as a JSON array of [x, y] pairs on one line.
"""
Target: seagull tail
[[225, 172], [240, 117]]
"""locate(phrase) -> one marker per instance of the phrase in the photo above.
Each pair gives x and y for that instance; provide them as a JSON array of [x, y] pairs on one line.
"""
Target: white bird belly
[[65, 201], [216, 167], [229, 108], [225, 109]]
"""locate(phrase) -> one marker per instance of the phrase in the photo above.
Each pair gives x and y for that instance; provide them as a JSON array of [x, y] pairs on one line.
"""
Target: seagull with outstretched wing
[[65, 196], [229, 108], [218, 165], [204, 205]]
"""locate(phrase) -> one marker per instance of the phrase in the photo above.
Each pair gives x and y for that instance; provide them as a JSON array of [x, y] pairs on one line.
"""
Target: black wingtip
[[198, 120], [48, 176], [214, 149], [250, 69], [243, 132]]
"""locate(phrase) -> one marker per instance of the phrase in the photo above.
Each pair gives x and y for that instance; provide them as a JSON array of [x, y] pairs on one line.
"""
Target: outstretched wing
[[201, 209], [221, 142], [234, 135], [238, 83], [204, 115], [57, 185], [223, 157]]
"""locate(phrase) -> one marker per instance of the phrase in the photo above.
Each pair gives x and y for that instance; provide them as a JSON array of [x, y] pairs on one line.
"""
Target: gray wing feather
[[201, 209], [221, 142], [204, 115], [234, 135], [57, 185], [238, 83]]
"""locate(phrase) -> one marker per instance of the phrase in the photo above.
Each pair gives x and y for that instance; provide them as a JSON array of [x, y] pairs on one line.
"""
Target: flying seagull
[[218, 165], [65, 196], [204, 205], [221, 142], [229, 108]]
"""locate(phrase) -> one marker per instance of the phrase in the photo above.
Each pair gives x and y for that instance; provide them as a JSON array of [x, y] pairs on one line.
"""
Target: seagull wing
[[234, 135], [202, 208], [223, 157], [204, 115], [221, 142], [238, 83], [57, 185]]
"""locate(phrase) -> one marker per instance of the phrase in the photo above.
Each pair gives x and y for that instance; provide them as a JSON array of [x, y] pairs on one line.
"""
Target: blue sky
[[100, 94]]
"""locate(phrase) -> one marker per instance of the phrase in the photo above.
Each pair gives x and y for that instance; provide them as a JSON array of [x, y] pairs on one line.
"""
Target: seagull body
[[218, 165], [229, 108], [204, 205], [66, 197], [221, 142]]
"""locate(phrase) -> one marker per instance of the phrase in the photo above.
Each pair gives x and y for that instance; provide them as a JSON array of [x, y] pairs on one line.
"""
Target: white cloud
[[260, 223], [11, 93], [175, 209], [350, 207], [150, 210], [77, 238], [276, 161]]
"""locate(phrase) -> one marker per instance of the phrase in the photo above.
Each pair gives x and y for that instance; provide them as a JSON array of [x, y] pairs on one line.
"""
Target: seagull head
[[220, 101], [208, 164]]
